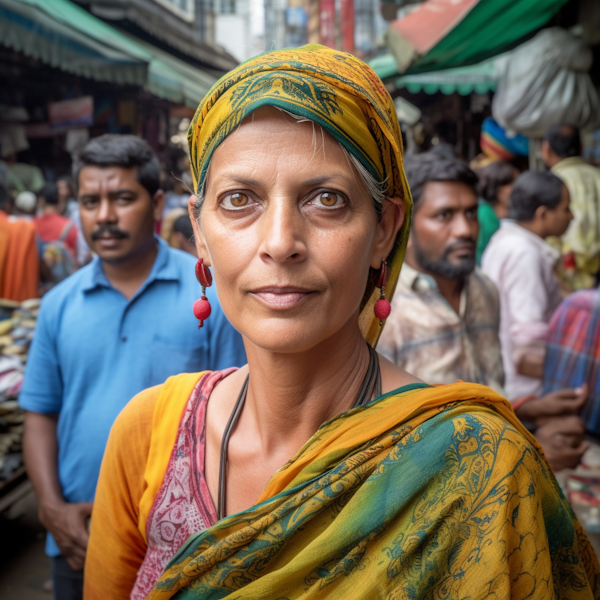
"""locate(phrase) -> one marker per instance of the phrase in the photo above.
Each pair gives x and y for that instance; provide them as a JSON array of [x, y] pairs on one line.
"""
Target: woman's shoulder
[[139, 413], [136, 418], [487, 431], [465, 415]]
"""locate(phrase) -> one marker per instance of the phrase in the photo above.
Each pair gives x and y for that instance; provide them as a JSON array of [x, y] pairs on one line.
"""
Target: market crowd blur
[[320, 466]]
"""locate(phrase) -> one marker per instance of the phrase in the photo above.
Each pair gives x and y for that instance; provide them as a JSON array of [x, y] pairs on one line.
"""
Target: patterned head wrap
[[498, 145], [335, 90]]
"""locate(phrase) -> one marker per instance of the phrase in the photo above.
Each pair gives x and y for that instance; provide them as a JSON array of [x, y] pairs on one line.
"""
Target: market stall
[[17, 326]]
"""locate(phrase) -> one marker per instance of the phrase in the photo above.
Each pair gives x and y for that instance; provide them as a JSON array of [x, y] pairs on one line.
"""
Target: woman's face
[[290, 231]]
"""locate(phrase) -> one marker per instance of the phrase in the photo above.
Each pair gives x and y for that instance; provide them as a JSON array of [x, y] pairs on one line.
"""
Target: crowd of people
[[497, 289]]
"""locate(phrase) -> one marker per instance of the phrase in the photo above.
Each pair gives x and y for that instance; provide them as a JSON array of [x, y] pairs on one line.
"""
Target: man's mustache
[[109, 230]]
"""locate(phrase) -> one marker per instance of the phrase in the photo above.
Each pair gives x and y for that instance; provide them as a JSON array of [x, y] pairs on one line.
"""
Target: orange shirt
[[19, 259]]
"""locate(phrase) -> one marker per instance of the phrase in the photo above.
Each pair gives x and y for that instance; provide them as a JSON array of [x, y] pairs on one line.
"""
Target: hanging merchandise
[[546, 81]]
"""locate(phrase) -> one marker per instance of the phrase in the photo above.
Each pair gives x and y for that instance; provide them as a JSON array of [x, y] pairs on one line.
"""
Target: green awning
[[175, 80], [489, 28], [385, 66], [480, 78], [65, 36]]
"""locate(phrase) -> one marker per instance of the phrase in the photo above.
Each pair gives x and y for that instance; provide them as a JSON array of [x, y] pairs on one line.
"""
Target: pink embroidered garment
[[183, 505]]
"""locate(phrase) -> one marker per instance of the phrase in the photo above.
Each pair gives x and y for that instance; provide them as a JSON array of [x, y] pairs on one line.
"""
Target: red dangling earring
[[202, 307], [382, 307]]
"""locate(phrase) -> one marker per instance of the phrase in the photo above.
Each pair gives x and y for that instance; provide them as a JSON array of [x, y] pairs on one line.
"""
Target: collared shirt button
[[123, 338]]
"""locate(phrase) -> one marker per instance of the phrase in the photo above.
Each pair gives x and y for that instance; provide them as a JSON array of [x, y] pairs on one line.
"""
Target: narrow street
[[23, 565]]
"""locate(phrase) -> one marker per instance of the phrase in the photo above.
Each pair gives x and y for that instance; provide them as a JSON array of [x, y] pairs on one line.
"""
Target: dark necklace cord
[[370, 388]]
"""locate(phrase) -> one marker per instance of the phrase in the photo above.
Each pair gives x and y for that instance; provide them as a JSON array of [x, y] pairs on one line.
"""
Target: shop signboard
[[78, 112]]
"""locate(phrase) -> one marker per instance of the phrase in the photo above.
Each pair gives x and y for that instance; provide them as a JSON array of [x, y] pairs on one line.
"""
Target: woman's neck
[[291, 395]]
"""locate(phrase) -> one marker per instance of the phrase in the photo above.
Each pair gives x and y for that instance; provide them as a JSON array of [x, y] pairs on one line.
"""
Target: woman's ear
[[393, 214], [199, 240]]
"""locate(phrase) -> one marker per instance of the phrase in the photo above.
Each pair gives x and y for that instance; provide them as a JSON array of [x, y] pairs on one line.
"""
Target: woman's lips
[[281, 298]]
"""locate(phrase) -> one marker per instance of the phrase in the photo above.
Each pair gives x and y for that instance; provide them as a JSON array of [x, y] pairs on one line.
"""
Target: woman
[[495, 183], [318, 469]]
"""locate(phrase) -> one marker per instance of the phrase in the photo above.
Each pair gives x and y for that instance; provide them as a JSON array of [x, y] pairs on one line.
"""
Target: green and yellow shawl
[[424, 493], [428, 492]]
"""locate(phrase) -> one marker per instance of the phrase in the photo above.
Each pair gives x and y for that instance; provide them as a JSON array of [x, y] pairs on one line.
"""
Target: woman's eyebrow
[[228, 179]]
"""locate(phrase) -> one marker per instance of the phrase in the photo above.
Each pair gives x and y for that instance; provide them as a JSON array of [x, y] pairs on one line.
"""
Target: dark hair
[[183, 225], [5, 200], [49, 193], [564, 140], [443, 149], [492, 177], [126, 151], [70, 183], [422, 168], [531, 190]]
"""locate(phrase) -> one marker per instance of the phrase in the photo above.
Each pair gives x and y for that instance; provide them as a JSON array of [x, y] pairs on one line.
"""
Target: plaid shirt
[[428, 338], [573, 351]]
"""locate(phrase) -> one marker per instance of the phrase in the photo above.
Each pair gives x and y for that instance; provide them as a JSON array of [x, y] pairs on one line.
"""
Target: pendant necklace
[[370, 388]]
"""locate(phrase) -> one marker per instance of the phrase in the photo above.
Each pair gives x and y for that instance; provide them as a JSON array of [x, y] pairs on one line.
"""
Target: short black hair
[[564, 140], [183, 225], [492, 177], [126, 151], [531, 190], [49, 193], [429, 166]]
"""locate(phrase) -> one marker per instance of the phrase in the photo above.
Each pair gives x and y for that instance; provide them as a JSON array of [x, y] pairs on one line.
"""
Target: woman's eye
[[328, 200], [235, 201]]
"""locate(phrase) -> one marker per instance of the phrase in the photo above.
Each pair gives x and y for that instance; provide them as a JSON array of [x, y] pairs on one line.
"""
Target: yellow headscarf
[[334, 89]]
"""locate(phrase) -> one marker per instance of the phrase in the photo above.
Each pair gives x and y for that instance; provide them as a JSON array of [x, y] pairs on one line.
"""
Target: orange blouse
[[134, 465]]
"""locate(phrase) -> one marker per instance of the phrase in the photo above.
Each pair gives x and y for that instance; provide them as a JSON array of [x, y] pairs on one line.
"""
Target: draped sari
[[426, 492]]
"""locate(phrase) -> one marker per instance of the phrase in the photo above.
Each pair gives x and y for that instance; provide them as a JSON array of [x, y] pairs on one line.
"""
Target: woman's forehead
[[269, 136]]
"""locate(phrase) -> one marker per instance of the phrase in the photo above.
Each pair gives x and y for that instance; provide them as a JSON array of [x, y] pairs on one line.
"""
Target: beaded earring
[[202, 307], [382, 307]]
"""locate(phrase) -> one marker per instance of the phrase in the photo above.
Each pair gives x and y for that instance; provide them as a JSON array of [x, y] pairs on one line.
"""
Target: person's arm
[[41, 397], [117, 547], [531, 365], [65, 521], [555, 404]]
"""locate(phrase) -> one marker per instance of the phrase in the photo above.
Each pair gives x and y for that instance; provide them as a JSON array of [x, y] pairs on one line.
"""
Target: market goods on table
[[17, 326]]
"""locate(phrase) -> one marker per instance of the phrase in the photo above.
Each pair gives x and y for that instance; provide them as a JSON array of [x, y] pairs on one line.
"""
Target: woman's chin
[[287, 336]]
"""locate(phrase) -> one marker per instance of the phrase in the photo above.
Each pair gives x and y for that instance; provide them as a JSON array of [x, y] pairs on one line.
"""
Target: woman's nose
[[282, 232]]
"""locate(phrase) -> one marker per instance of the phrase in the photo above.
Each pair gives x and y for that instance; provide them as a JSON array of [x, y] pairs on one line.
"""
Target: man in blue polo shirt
[[119, 325]]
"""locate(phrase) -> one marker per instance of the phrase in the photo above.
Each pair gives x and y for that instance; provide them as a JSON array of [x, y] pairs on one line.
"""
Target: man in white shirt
[[521, 264]]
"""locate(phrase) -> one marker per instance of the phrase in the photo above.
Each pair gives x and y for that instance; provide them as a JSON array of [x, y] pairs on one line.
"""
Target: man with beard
[[445, 312], [121, 324], [445, 317]]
